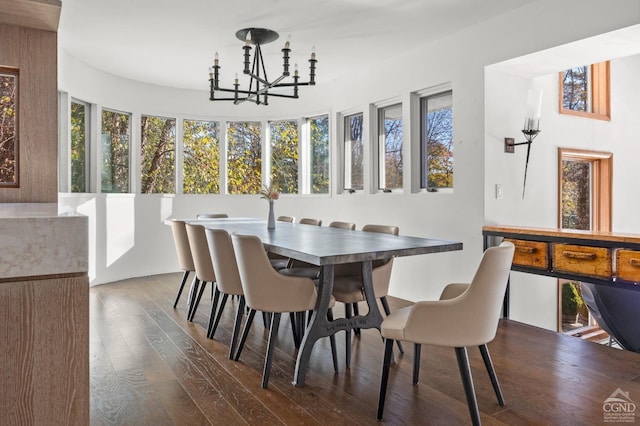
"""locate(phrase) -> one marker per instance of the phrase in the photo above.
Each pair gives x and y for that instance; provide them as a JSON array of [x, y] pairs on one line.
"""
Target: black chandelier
[[259, 85]]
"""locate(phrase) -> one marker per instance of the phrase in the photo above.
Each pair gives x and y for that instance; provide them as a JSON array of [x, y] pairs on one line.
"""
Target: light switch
[[499, 192]]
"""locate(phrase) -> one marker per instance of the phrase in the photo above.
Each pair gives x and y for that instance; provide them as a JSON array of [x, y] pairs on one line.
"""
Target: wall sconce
[[530, 130]]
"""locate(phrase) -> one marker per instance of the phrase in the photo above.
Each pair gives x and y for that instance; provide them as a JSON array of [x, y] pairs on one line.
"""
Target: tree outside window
[[115, 151], [319, 146], [201, 164], [436, 113], [584, 91], [353, 152], [244, 157], [8, 127], [158, 150], [284, 155], [390, 145]]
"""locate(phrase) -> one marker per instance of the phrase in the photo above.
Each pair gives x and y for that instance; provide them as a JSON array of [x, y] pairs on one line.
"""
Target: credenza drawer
[[594, 261], [628, 265], [532, 254]]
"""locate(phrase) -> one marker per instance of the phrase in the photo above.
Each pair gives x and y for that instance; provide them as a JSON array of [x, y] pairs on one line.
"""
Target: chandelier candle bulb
[[215, 59]]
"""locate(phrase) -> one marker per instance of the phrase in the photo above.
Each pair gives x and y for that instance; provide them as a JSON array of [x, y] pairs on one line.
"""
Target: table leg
[[320, 326]]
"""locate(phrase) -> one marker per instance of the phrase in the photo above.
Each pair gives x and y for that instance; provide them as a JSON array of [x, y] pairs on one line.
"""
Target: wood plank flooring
[[148, 365]]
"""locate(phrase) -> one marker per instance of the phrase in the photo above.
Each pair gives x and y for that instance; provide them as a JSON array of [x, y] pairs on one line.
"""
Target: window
[[584, 200], [244, 157], [79, 146], [436, 158], [390, 147], [584, 91], [284, 155], [115, 139], [9, 128], [158, 153], [201, 164], [353, 153], [319, 154]]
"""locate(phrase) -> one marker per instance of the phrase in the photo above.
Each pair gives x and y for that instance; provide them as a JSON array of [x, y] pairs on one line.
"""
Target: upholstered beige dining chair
[[289, 219], [466, 315], [267, 290], [181, 241], [202, 262], [212, 216], [348, 287], [310, 221], [228, 282], [343, 225]]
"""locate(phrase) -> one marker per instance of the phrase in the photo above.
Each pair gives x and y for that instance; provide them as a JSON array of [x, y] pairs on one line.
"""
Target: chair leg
[[273, 336], [184, 280], [236, 327], [332, 340], [356, 312], [467, 383], [195, 306], [193, 293], [347, 341], [266, 320], [294, 329], [484, 350], [223, 302], [387, 311], [214, 308], [386, 364], [245, 333], [416, 362]]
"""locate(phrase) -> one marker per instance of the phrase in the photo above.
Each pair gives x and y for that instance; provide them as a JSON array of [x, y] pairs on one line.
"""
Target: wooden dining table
[[327, 247]]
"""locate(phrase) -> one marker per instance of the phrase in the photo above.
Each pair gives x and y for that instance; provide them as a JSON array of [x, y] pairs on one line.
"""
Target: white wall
[[146, 248]]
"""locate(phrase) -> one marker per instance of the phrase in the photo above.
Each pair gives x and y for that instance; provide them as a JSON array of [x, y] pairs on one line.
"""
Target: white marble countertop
[[37, 239]]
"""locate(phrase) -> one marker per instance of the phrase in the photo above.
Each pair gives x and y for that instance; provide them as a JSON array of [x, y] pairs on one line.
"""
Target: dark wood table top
[[323, 245]]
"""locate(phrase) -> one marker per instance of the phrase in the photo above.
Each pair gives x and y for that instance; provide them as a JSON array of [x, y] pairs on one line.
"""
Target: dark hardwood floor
[[150, 366]]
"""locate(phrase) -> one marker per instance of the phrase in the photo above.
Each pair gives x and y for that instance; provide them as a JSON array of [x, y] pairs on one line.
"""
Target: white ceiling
[[172, 43]]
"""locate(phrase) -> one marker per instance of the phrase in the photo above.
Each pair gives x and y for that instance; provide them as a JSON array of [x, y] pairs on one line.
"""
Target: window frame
[[346, 154], [423, 169], [130, 159], [381, 109], [599, 88], [306, 154]]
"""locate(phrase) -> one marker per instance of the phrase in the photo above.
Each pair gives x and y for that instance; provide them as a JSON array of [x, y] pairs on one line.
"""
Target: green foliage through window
[[284, 156], [319, 155], [115, 151], [8, 127], [78, 147], [201, 164], [244, 157], [158, 152], [576, 194]]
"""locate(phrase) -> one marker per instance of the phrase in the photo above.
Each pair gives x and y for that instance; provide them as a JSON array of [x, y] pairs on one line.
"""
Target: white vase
[[271, 223]]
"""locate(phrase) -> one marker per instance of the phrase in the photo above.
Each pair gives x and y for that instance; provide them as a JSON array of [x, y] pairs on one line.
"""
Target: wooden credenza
[[604, 258]]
